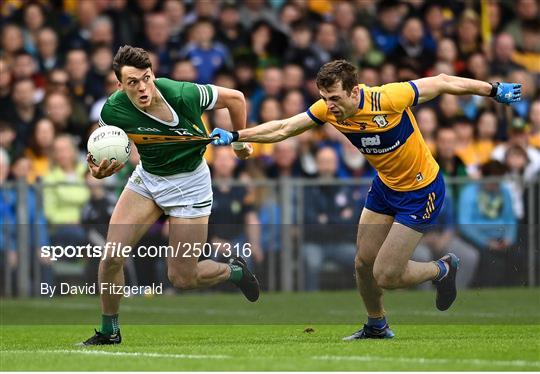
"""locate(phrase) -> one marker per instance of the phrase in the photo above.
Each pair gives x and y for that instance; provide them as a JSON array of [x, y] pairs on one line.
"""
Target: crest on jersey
[[381, 120]]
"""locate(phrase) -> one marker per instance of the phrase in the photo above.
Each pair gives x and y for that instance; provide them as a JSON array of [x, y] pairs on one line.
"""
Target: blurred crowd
[[55, 75]]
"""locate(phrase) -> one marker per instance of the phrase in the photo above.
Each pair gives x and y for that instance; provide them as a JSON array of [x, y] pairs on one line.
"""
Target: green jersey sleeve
[[198, 97]]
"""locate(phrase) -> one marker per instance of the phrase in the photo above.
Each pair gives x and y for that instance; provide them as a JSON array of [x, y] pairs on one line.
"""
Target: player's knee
[[387, 278], [362, 265], [182, 281]]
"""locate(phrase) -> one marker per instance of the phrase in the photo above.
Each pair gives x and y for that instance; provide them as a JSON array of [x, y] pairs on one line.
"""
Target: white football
[[109, 143]]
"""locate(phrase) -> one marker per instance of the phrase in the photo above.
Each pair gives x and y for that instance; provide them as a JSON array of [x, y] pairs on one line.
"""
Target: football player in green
[[163, 118]]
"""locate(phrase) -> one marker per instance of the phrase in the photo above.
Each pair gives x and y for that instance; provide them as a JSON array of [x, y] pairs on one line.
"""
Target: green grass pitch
[[485, 330]]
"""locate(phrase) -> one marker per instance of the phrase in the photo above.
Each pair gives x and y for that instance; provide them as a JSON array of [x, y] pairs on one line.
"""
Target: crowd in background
[[55, 75]]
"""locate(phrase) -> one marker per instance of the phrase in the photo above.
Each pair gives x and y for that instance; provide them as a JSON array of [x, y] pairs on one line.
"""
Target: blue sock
[[376, 322], [443, 271]]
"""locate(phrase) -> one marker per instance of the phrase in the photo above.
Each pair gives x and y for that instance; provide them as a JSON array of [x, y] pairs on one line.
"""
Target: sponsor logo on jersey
[[149, 129], [371, 140], [381, 120]]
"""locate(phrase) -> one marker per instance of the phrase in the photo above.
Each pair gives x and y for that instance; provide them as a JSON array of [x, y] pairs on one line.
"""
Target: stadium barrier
[[285, 230]]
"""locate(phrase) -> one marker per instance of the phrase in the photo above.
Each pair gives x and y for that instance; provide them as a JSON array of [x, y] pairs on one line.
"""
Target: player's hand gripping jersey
[[385, 131], [166, 148]]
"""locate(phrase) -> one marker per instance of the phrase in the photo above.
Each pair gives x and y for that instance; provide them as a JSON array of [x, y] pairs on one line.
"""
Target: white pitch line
[[127, 354], [420, 360]]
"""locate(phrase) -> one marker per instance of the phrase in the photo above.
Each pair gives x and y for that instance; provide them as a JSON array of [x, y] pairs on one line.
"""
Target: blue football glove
[[222, 137], [508, 93]]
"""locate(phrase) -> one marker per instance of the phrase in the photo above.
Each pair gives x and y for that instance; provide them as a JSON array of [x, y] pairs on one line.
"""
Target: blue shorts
[[416, 209]]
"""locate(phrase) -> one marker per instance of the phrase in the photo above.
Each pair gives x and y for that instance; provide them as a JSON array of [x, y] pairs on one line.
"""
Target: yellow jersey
[[385, 131]]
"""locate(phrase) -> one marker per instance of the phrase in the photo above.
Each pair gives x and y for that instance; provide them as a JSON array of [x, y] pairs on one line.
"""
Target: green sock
[[109, 324], [236, 273]]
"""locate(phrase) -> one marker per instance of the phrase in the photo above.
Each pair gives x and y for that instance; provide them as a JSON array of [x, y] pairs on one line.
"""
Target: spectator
[[385, 33], [157, 33], [65, 193], [527, 10], [504, 49], [412, 45], [301, 51], [447, 52], [293, 102], [111, 85], [516, 160], [5, 87], [40, 149], [8, 234], [388, 73], [486, 129], [328, 209], [285, 160], [468, 34], [435, 22], [442, 238], [79, 35], [293, 77], [267, 45], [57, 82], [233, 219], [362, 52], [477, 66], [519, 135], [487, 221], [175, 11], [36, 226], [12, 41], [271, 86], [326, 43], [206, 55], [101, 33], [183, 70], [33, 15], [230, 31], [7, 139], [534, 120], [59, 110], [24, 113], [447, 158], [428, 123], [47, 50], [465, 149], [529, 56], [95, 217], [101, 59], [25, 67], [344, 17]]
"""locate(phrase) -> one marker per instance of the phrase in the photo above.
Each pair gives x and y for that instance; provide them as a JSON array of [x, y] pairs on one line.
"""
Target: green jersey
[[166, 148]]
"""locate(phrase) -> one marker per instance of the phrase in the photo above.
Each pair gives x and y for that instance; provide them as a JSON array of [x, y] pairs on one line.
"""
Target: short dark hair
[[338, 71], [130, 56]]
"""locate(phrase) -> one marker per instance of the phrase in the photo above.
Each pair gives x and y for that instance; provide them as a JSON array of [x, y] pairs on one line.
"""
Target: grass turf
[[487, 330]]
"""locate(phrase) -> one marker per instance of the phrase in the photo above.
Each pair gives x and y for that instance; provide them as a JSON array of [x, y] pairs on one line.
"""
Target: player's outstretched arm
[[269, 132], [431, 87], [235, 102]]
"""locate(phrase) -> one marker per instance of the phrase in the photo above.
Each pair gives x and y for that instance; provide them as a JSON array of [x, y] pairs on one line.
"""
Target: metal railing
[[284, 266]]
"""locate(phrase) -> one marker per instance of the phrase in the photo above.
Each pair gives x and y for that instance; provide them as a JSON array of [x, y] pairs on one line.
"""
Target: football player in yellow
[[408, 191]]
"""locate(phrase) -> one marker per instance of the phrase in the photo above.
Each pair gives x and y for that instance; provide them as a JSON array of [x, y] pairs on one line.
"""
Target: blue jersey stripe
[[415, 93], [315, 119], [383, 142], [361, 105]]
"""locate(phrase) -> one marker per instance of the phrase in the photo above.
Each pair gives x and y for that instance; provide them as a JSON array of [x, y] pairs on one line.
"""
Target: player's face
[[340, 103], [138, 85]]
